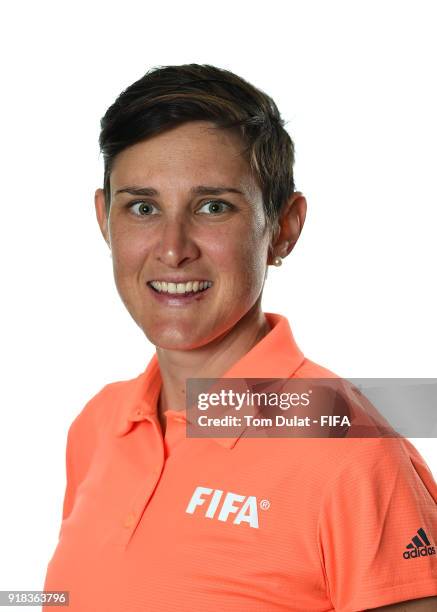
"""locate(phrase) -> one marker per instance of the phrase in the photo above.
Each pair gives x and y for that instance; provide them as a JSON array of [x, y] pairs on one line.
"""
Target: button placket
[[146, 488]]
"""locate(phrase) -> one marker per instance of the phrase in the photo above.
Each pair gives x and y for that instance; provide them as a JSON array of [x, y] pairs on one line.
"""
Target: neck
[[209, 361]]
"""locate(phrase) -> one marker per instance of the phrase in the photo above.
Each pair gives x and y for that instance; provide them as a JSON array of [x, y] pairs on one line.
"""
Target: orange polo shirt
[[153, 523]]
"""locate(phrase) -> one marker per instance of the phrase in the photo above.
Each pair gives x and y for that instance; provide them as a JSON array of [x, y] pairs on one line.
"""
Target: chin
[[175, 338]]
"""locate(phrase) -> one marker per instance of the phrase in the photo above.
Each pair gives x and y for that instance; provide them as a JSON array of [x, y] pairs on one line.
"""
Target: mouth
[[177, 292]]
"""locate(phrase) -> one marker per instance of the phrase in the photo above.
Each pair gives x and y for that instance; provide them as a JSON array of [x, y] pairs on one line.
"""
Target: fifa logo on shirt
[[419, 547], [240, 508]]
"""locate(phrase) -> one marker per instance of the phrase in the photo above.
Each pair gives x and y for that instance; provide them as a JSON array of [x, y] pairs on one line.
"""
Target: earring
[[277, 261]]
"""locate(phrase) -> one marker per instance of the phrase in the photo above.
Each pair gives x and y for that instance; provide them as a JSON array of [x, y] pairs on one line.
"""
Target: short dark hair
[[168, 96]]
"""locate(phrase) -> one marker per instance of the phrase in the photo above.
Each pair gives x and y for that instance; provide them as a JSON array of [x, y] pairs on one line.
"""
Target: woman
[[198, 200]]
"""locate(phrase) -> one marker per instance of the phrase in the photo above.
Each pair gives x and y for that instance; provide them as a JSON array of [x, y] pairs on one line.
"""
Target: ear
[[102, 218], [289, 226]]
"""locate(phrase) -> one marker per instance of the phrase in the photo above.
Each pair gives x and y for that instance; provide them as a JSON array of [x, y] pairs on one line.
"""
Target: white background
[[355, 82]]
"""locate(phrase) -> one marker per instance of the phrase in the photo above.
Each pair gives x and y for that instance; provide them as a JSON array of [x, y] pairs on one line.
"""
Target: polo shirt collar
[[276, 355]]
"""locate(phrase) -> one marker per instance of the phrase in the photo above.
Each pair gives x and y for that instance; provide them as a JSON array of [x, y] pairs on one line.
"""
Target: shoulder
[[101, 409], [362, 457], [384, 471]]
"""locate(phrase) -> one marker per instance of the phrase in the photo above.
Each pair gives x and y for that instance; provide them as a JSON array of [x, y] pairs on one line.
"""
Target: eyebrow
[[198, 190]]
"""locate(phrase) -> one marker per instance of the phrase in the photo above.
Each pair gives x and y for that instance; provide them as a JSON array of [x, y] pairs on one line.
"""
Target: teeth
[[180, 288]]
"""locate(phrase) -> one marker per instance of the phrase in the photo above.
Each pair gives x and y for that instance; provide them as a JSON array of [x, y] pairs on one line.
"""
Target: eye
[[216, 206], [143, 208]]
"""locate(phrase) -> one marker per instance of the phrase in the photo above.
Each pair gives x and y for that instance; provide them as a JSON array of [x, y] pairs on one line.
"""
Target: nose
[[175, 247]]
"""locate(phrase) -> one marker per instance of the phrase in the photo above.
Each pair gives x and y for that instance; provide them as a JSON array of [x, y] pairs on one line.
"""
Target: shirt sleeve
[[70, 487], [81, 444], [377, 529]]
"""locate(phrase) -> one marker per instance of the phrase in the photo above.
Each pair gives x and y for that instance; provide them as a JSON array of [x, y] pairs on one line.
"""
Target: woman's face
[[200, 217]]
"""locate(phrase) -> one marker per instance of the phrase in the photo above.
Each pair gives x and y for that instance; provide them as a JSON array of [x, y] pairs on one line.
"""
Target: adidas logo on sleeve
[[419, 547]]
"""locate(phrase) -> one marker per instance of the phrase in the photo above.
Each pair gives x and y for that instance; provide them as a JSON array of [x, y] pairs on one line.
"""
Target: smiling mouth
[[180, 289]]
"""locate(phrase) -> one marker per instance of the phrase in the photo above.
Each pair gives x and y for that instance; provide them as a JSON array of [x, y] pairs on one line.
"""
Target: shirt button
[[129, 520], [179, 419], [140, 412]]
